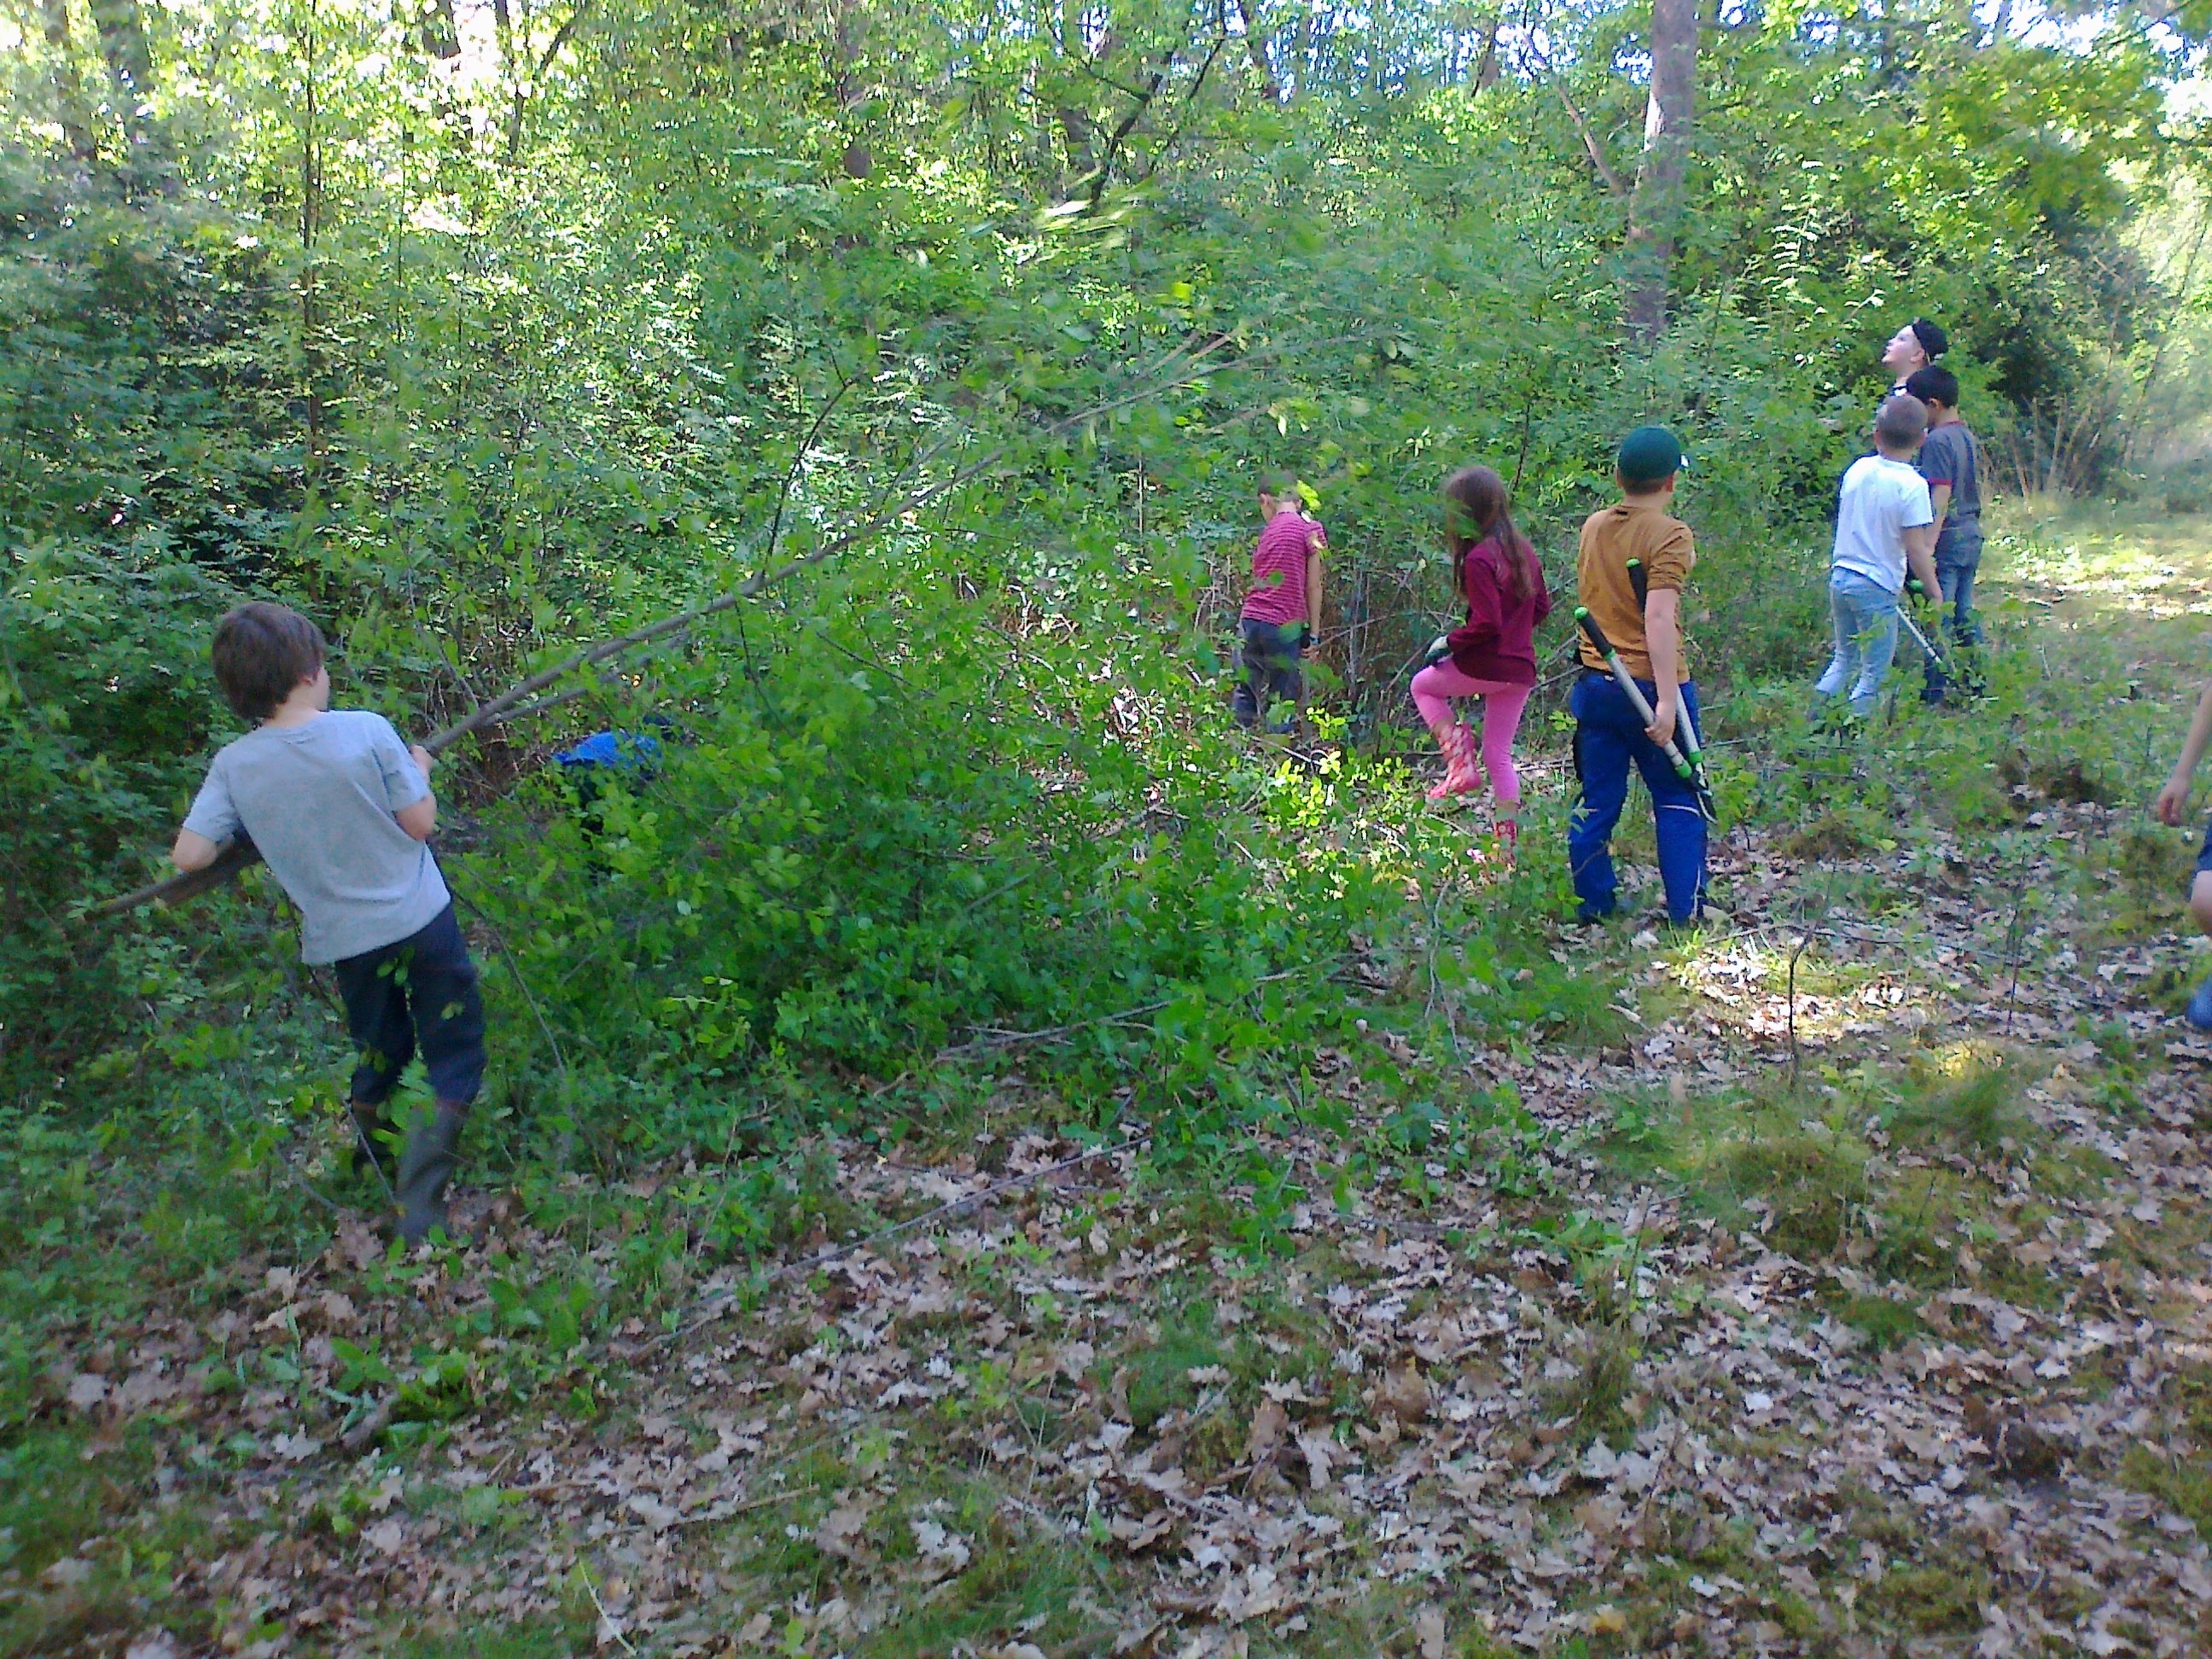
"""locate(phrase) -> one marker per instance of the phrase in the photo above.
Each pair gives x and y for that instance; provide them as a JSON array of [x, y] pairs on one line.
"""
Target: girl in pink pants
[[1493, 654]]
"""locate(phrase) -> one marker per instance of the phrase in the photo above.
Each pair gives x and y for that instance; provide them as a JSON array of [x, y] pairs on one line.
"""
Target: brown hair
[[261, 652], [1475, 512], [1283, 486]]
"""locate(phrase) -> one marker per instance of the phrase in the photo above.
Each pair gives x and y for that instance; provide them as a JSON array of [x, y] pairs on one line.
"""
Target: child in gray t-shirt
[[1951, 462], [343, 811]]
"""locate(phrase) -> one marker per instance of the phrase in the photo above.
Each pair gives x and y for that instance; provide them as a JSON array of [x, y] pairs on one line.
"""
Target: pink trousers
[[1433, 689]]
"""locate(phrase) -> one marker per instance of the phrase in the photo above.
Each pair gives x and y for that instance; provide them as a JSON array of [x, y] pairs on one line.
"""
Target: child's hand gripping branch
[[2172, 804], [194, 851], [342, 810], [2172, 807]]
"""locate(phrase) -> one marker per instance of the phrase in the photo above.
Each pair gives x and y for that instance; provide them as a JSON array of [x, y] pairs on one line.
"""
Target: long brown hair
[[1475, 512]]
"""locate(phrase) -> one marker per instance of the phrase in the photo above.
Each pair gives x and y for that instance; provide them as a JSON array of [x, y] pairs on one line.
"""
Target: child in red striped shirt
[[1282, 612]]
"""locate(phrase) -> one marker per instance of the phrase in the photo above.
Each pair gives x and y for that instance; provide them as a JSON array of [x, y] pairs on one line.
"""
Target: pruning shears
[[1687, 759], [1940, 659]]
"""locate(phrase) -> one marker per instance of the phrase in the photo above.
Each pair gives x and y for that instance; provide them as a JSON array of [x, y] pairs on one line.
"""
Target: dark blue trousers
[[419, 993], [1608, 738], [1271, 671]]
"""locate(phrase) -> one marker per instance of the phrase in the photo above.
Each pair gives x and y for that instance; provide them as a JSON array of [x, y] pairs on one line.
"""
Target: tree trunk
[[1486, 64], [440, 35], [1656, 202], [1256, 44], [123, 43], [311, 217], [859, 159], [1074, 121], [129, 65], [69, 87]]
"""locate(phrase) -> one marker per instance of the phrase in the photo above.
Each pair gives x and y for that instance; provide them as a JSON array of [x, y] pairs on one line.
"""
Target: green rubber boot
[[433, 1151]]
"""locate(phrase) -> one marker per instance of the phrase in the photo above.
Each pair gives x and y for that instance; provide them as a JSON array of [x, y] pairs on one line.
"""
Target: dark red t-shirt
[[1498, 641]]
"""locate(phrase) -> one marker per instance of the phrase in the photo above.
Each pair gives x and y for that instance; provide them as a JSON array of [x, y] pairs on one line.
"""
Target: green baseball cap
[[1648, 455]]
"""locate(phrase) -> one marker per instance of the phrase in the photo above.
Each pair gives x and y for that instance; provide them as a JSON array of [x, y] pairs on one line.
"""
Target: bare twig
[[607, 1626], [1809, 934], [499, 939], [2013, 939], [988, 1039], [378, 1420]]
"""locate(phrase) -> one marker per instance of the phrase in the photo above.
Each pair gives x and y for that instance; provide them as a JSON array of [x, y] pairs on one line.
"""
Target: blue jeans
[[1864, 614], [1271, 669], [1608, 738], [1957, 558]]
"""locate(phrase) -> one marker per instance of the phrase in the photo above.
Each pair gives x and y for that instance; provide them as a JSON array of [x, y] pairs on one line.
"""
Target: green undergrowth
[[1219, 946], [2078, 711], [2177, 1471], [1907, 1175]]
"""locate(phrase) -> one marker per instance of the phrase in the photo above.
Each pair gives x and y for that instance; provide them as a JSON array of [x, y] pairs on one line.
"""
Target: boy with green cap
[[1643, 619]]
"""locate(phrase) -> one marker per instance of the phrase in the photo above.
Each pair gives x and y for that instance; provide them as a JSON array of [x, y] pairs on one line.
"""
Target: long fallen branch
[[522, 698]]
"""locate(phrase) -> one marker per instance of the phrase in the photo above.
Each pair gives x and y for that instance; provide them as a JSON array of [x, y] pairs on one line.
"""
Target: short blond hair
[[1901, 422]]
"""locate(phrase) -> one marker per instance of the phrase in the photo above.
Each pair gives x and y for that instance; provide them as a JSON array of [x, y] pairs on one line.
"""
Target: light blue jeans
[[1865, 616]]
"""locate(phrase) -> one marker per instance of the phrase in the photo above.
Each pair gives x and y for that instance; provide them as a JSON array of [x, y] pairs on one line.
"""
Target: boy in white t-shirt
[[1884, 521]]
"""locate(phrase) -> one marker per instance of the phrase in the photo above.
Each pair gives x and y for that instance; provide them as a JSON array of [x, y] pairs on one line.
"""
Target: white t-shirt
[[1882, 498]]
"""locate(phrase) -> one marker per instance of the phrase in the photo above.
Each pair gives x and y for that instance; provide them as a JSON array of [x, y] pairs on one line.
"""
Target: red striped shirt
[[1278, 569]]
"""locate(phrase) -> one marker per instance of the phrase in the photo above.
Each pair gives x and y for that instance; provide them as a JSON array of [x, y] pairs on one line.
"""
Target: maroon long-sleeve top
[[1498, 640]]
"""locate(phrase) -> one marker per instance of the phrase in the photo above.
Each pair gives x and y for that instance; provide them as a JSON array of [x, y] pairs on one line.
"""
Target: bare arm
[[2174, 799], [420, 819], [1662, 638], [1920, 554], [1313, 550], [1939, 497], [193, 851]]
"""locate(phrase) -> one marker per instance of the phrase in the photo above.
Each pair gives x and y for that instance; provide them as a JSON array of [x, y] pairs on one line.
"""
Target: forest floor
[[1852, 1294]]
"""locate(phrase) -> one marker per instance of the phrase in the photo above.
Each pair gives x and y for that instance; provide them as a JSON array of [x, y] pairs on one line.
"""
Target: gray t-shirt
[[1948, 455], [318, 800]]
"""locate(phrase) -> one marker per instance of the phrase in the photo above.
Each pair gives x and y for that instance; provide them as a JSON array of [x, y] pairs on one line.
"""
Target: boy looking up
[[1646, 630], [1910, 350], [1282, 612], [1951, 462], [2172, 802], [1883, 521], [342, 810]]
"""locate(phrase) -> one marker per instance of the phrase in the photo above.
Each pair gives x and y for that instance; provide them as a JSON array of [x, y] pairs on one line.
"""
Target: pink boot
[[1462, 773]]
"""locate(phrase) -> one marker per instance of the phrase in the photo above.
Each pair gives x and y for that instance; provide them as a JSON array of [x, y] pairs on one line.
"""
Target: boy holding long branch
[[343, 811]]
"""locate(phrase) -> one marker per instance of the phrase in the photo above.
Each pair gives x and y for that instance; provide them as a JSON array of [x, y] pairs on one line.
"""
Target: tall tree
[[130, 63], [68, 88], [1486, 64], [1256, 42], [1655, 206]]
